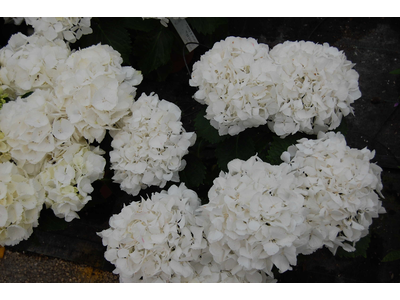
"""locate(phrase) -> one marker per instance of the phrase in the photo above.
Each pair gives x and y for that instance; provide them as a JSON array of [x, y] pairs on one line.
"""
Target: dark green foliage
[[110, 31], [392, 256], [239, 146], [206, 25], [154, 48], [205, 130], [278, 146], [194, 173]]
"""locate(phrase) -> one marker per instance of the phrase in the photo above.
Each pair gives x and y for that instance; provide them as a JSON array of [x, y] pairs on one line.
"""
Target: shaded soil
[[371, 43]]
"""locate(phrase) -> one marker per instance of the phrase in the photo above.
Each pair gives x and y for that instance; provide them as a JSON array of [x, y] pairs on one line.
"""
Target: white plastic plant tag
[[185, 32]]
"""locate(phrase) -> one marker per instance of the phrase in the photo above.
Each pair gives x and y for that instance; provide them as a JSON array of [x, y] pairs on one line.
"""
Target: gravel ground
[[26, 267]]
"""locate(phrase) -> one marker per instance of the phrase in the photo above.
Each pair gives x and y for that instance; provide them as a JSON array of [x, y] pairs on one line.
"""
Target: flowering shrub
[[148, 149], [59, 104], [55, 99]]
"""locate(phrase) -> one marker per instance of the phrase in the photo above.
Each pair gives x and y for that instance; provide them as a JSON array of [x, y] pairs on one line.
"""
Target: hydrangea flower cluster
[[95, 90], [324, 194], [315, 89], [60, 102], [69, 29], [31, 62], [297, 86], [159, 240], [235, 81], [341, 190], [34, 127], [21, 201], [155, 240], [255, 216], [67, 179], [148, 149]]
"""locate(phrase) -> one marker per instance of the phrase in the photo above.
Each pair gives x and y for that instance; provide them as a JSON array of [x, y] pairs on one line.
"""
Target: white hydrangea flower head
[[235, 79], [21, 201], [341, 190], [70, 29], [315, 87], [34, 127], [95, 90], [254, 216], [31, 62], [67, 178], [148, 149], [156, 239]]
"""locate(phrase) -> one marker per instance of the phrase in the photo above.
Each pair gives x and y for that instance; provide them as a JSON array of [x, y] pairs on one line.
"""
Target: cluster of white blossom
[[324, 194], [297, 86], [67, 178], [235, 79], [58, 99], [156, 239], [34, 127], [148, 149], [254, 216], [70, 29], [315, 87], [31, 62], [160, 240], [95, 90], [341, 190], [21, 201]]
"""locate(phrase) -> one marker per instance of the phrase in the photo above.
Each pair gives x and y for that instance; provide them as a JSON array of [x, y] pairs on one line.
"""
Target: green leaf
[[206, 25], [110, 31], [278, 146], [115, 35], [194, 173], [205, 130], [395, 72], [361, 249], [392, 256], [240, 146], [154, 48]]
